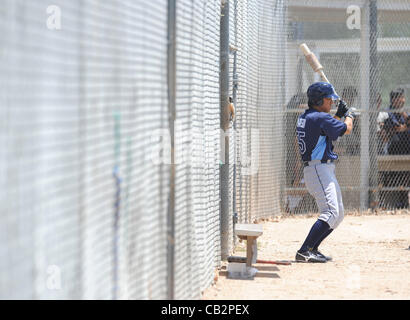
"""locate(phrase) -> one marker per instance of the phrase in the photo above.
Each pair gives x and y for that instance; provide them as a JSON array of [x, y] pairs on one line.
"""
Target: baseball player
[[316, 129]]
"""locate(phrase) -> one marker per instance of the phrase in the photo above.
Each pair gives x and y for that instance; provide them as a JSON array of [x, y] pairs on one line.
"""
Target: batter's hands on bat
[[351, 114], [342, 109]]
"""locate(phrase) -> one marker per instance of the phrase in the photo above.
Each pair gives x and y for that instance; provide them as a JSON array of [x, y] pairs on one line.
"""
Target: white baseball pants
[[321, 182]]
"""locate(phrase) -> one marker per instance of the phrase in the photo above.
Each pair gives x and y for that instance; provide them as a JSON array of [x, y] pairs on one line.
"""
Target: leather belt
[[313, 162]]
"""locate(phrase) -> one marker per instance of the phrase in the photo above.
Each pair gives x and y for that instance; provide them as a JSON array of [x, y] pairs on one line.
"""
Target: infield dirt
[[371, 260]]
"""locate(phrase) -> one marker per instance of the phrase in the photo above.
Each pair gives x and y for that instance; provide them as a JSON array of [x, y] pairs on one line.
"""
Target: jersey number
[[301, 142]]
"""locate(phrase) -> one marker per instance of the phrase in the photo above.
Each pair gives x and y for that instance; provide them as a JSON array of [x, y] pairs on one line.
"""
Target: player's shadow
[[267, 268], [267, 275]]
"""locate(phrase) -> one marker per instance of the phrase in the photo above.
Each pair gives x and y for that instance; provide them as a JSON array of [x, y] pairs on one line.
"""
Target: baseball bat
[[243, 260], [317, 67], [313, 61]]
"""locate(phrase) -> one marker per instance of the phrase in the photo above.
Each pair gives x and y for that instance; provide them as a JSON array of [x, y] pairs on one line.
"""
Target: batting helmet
[[319, 90]]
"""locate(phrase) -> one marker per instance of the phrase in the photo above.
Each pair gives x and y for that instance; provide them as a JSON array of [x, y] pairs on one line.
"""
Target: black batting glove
[[350, 114], [341, 109]]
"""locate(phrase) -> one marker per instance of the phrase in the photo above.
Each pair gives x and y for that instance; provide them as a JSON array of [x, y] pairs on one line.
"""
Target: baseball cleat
[[319, 254], [308, 256]]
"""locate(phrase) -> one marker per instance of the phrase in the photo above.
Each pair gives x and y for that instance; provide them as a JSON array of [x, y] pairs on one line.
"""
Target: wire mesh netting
[[84, 211], [85, 131], [260, 39], [84, 168], [197, 146]]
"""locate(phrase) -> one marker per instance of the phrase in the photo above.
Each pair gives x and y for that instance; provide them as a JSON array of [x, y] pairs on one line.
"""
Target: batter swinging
[[316, 129]]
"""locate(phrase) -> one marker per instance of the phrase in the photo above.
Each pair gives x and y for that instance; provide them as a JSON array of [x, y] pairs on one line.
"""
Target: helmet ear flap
[[312, 103]]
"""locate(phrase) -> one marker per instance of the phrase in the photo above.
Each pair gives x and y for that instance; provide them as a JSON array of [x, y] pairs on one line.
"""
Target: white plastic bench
[[249, 232]]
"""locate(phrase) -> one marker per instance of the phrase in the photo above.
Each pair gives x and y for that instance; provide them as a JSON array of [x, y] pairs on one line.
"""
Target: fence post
[[234, 100], [369, 87], [364, 101], [374, 91], [224, 125], [171, 81]]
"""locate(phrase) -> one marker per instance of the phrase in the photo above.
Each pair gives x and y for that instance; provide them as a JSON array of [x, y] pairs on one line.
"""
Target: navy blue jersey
[[315, 131], [394, 120]]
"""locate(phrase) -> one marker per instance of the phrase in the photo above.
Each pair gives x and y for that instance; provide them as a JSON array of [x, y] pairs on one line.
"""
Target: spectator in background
[[397, 124], [382, 136], [397, 128], [351, 142]]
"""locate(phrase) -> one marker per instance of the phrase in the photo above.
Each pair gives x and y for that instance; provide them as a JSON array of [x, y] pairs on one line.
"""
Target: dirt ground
[[371, 260]]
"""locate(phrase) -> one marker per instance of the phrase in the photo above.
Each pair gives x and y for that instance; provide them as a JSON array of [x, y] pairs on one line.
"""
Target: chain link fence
[[86, 130], [363, 47], [260, 39]]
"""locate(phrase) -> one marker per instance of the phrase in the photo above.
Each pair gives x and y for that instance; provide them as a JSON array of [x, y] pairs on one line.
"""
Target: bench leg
[[249, 250]]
